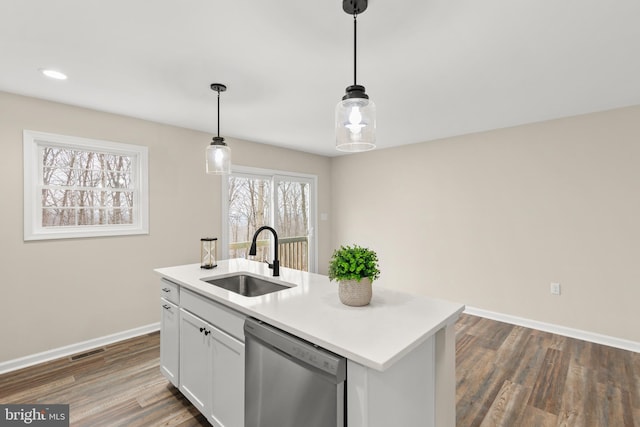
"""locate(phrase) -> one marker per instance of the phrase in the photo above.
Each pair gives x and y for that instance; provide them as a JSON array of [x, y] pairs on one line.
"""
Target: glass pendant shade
[[218, 159], [355, 125], [356, 113], [218, 155]]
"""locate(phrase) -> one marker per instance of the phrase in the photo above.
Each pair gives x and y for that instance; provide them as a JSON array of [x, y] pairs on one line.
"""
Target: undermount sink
[[246, 285]]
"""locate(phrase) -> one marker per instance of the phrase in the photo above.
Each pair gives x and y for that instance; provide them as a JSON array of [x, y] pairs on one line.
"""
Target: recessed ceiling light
[[54, 74]]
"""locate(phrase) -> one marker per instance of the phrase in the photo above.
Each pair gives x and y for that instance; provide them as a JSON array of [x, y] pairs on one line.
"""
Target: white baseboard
[[56, 353], [557, 329], [80, 347]]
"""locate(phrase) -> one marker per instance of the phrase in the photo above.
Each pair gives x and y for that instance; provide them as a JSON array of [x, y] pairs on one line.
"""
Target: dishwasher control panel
[[326, 362], [296, 348]]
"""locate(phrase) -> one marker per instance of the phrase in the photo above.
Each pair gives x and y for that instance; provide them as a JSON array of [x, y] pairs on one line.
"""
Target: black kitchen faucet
[[252, 251]]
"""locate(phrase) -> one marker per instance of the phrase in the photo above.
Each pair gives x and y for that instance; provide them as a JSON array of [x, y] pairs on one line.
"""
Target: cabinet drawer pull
[[206, 332], [167, 307], [166, 289], [201, 329]]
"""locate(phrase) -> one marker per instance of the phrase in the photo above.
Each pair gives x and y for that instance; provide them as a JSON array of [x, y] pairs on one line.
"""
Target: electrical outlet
[[555, 288]]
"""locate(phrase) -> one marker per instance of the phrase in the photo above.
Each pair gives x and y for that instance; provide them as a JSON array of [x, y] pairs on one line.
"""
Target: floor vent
[[86, 354]]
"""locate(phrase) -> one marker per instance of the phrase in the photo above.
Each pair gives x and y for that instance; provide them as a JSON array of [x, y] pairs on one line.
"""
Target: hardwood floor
[[513, 376], [506, 376], [118, 386]]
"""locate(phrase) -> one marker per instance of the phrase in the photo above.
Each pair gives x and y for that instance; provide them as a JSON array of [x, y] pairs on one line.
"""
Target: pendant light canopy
[[355, 113], [218, 153]]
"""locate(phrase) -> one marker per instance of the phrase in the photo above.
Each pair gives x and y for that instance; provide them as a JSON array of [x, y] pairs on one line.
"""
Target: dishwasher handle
[[296, 348]]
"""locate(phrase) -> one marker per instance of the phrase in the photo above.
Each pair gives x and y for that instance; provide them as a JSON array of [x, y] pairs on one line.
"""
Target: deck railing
[[292, 251]]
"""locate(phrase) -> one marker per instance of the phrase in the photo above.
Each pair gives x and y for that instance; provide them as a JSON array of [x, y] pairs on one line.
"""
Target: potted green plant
[[355, 268]]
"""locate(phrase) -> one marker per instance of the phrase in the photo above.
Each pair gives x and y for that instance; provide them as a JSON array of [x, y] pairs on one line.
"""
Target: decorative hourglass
[[208, 252]]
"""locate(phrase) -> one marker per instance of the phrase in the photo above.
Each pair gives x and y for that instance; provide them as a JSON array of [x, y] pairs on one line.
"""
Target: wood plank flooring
[[509, 375], [118, 386], [506, 376]]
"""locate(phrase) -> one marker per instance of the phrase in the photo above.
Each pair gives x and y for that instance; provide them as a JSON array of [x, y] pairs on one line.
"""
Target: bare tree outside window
[[77, 187], [293, 223], [251, 201], [249, 209], [85, 188]]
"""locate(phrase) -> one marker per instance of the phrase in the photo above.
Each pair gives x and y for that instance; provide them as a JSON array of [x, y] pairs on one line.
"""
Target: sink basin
[[245, 285]]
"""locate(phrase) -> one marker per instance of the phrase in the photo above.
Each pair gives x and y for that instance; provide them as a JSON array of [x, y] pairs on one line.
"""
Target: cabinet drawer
[[169, 291], [224, 318]]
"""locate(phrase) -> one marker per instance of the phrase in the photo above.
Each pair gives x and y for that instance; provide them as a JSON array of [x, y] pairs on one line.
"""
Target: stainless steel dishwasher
[[290, 382]]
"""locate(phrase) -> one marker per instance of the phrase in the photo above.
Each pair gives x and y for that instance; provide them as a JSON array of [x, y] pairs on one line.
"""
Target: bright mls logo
[[34, 415]]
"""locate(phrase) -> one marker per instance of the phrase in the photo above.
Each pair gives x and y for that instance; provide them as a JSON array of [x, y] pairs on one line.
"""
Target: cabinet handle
[[206, 332], [166, 306], [201, 329], [166, 289]]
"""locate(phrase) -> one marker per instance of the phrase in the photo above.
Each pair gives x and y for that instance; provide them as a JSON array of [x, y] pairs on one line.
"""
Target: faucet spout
[[252, 251]]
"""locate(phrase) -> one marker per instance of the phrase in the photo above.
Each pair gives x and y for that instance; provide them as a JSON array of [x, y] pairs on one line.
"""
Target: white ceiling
[[435, 68]]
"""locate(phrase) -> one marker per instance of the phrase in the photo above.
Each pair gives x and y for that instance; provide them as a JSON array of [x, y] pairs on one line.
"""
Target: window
[[77, 187], [282, 200]]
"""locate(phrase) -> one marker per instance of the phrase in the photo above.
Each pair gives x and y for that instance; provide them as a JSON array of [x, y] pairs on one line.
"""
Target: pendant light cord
[[218, 114], [355, 47]]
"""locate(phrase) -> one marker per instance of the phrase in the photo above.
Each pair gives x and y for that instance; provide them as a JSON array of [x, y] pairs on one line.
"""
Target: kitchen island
[[400, 348]]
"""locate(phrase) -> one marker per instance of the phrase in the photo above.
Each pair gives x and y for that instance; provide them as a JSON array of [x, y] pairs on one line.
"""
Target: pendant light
[[218, 153], [356, 113]]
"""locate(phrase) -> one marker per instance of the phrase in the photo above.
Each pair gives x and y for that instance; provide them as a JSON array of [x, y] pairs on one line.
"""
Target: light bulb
[[355, 120], [355, 124], [219, 157], [355, 117]]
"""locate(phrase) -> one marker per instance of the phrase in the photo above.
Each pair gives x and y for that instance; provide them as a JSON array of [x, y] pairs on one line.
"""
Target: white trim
[[250, 170], [223, 249], [557, 329], [272, 174], [33, 230], [56, 353]]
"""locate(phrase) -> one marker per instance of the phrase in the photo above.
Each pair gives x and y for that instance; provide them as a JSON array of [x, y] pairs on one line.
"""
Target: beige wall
[[488, 220], [491, 219], [61, 292]]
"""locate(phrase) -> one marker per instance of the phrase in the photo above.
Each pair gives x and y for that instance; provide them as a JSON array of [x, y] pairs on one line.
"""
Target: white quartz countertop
[[375, 336]]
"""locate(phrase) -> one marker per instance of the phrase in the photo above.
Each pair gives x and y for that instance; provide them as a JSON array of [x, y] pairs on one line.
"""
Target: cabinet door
[[195, 356], [227, 394], [170, 341]]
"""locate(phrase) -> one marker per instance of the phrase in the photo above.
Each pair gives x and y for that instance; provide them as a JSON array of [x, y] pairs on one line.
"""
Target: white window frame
[[33, 145], [274, 176]]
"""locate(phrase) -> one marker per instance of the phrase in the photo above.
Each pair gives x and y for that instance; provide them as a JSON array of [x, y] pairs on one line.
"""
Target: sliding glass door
[[291, 197], [283, 201]]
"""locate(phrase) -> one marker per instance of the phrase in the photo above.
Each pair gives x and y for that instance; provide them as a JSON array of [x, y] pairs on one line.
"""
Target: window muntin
[[77, 187], [253, 197]]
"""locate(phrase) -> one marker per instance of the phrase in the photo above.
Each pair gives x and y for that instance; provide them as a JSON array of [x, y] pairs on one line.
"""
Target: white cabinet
[[211, 361], [170, 341], [195, 366], [169, 291], [227, 395], [170, 331]]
